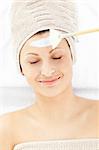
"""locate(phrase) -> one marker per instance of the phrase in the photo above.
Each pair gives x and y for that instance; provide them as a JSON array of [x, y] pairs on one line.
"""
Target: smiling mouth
[[49, 81]]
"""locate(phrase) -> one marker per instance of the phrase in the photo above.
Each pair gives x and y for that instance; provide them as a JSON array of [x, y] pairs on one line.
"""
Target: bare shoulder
[[5, 122], [8, 129], [9, 120], [6, 132], [89, 105], [88, 102], [92, 107]]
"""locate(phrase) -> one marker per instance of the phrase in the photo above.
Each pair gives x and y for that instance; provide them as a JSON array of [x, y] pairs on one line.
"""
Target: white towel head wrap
[[31, 16]]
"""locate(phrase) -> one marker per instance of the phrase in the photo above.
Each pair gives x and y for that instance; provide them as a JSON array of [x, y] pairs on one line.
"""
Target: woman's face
[[47, 70]]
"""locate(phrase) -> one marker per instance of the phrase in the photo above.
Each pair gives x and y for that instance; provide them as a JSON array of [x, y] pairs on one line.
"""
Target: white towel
[[30, 16], [74, 144]]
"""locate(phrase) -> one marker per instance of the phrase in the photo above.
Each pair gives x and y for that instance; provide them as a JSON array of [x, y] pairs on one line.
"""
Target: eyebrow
[[37, 54]]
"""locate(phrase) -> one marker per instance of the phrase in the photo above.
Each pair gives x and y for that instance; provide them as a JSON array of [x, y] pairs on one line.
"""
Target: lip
[[50, 82]]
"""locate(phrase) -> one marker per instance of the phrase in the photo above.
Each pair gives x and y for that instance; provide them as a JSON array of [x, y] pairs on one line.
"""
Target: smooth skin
[[57, 112]]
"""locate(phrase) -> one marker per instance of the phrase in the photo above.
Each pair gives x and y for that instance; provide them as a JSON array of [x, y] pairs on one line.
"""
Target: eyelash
[[53, 58]]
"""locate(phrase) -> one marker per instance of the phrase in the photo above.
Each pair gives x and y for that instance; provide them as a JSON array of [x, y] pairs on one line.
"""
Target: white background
[[14, 90]]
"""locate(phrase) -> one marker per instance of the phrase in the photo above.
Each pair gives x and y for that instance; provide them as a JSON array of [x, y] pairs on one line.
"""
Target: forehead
[[37, 37], [41, 41]]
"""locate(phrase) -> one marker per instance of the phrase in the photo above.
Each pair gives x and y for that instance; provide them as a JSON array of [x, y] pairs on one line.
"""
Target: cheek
[[65, 63], [30, 73], [66, 68], [28, 69], [31, 77]]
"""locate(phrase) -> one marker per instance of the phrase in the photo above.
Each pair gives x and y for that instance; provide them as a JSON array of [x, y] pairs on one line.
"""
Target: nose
[[47, 69]]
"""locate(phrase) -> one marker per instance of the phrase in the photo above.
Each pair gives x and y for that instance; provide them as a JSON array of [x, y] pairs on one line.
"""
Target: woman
[[58, 119]]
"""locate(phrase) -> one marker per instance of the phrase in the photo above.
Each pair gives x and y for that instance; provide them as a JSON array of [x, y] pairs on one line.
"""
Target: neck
[[56, 108]]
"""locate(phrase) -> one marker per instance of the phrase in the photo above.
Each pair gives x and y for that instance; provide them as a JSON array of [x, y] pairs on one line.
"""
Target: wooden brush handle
[[86, 32]]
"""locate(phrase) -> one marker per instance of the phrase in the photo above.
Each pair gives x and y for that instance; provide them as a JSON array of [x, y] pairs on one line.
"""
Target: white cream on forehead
[[52, 40], [41, 43]]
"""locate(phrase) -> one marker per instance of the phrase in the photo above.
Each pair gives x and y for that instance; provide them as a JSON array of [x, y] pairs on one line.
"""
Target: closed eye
[[34, 62], [52, 58], [57, 57]]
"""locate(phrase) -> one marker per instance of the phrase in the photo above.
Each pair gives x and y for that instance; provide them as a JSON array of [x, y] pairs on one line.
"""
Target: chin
[[53, 92], [52, 89]]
